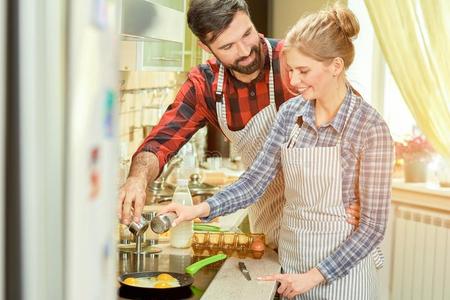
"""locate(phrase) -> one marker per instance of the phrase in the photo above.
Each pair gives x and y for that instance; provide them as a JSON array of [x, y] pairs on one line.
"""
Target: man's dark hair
[[213, 16]]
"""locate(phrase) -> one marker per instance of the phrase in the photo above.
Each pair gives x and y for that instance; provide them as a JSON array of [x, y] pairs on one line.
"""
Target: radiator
[[421, 255]]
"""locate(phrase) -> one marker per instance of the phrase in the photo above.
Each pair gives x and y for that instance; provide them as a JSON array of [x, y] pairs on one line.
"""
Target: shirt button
[[252, 93]]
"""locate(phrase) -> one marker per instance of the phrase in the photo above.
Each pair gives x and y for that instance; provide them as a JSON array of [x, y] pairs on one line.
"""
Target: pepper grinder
[[138, 229], [162, 223]]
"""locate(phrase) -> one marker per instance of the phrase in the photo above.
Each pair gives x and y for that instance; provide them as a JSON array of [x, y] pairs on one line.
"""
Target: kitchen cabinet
[[151, 55], [155, 37], [175, 4], [162, 55], [152, 35]]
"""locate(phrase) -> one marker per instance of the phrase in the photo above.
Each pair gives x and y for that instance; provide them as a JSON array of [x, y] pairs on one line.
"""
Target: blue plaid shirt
[[367, 162]]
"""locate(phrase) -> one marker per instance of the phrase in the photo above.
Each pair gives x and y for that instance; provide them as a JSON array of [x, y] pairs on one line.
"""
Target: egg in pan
[[163, 280]]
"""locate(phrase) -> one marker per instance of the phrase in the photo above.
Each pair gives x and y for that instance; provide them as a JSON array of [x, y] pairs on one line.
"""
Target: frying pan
[[185, 280]]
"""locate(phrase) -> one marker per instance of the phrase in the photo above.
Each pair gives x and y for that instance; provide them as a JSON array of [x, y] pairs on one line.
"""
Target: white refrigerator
[[92, 153], [61, 149]]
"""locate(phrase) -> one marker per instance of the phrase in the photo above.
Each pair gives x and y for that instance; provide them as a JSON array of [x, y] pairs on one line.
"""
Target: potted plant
[[415, 153]]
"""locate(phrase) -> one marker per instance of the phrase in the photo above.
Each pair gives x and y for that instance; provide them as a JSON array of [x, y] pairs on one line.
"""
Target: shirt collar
[[338, 122], [307, 112]]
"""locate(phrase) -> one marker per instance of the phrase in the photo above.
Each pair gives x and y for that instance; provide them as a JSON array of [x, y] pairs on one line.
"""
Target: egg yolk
[[165, 277], [162, 285], [130, 281]]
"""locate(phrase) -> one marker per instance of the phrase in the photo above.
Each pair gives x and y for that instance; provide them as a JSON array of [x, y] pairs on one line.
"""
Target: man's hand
[[292, 285], [354, 214], [131, 197], [144, 169]]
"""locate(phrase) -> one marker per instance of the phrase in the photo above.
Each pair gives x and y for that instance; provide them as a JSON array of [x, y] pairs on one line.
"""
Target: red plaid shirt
[[195, 104]]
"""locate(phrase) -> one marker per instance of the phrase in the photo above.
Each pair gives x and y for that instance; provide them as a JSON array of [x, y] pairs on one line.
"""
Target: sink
[[197, 187], [159, 195], [157, 198], [160, 190], [200, 191], [200, 196], [197, 196]]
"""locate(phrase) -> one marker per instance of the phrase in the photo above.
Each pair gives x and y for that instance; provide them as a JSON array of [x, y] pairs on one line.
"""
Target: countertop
[[229, 282]]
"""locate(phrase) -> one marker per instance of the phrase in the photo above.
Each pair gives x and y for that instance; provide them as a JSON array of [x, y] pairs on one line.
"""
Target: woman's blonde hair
[[324, 35]]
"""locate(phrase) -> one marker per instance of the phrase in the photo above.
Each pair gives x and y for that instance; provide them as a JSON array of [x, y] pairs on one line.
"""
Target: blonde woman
[[332, 148]]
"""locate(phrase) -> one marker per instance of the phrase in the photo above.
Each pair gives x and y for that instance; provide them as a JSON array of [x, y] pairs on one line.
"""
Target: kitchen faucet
[[160, 190]]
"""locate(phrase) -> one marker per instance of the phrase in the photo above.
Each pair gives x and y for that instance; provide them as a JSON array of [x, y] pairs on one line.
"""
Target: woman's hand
[[292, 285], [186, 213], [354, 214]]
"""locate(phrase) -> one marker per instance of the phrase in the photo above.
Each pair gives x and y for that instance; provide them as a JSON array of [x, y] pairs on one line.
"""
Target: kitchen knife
[[244, 270]]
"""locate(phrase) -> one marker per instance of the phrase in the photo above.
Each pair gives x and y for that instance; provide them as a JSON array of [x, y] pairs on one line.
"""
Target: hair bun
[[347, 21]]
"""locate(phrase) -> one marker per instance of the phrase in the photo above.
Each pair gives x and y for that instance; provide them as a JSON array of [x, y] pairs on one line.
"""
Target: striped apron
[[314, 220], [264, 215]]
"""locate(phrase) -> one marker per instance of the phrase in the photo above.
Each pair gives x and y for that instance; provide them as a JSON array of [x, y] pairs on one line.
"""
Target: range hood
[[145, 20]]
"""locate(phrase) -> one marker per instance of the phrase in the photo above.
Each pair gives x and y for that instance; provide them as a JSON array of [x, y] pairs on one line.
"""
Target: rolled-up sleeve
[[253, 182], [375, 174]]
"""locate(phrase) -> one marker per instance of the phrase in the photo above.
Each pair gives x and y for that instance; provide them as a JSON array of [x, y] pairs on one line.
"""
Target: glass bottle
[[181, 234]]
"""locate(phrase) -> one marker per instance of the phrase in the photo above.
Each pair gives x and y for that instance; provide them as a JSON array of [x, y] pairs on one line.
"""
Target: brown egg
[[257, 249], [257, 245]]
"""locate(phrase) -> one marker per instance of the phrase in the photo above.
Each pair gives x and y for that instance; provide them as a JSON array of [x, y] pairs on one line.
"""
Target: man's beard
[[251, 68]]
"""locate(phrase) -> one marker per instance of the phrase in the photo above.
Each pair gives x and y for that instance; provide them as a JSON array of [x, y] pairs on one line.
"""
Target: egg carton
[[240, 245]]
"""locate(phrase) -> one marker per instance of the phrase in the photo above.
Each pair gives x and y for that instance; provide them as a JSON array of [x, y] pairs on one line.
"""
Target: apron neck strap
[[296, 131], [271, 83]]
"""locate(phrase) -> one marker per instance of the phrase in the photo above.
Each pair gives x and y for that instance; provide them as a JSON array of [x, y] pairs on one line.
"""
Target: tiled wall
[[144, 96]]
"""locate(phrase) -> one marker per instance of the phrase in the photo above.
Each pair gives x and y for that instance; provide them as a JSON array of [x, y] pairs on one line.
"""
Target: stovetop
[[130, 262]]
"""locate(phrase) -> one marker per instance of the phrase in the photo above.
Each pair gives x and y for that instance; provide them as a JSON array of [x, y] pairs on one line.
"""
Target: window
[[396, 113], [370, 75], [360, 72]]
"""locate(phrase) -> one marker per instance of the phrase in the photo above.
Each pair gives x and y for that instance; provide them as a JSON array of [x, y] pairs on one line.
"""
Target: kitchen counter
[[230, 283]]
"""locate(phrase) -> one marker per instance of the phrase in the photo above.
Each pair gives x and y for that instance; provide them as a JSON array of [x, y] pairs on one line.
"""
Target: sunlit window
[[372, 78], [361, 71], [396, 113]]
